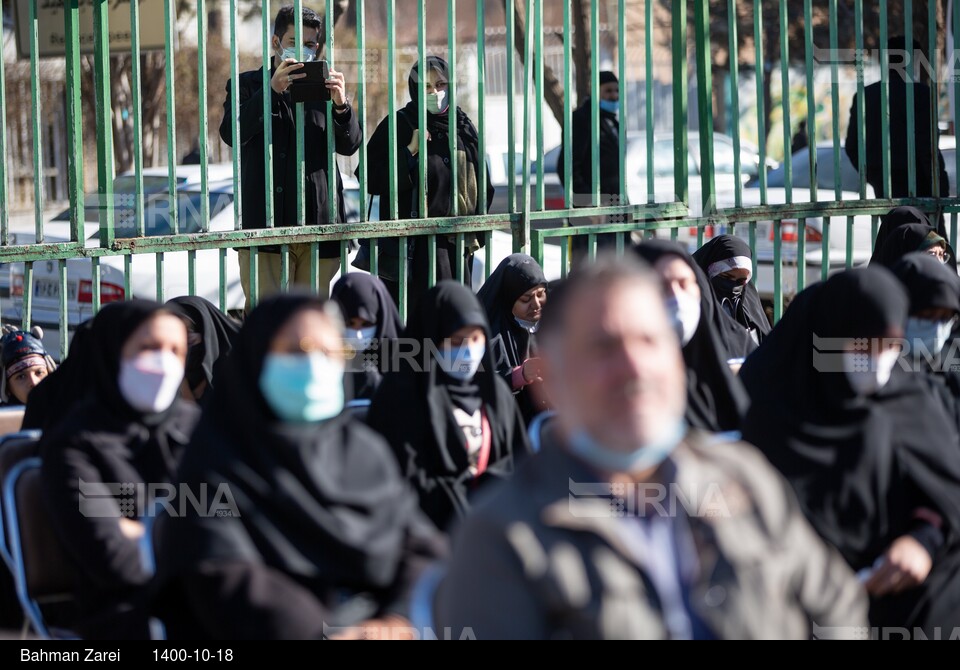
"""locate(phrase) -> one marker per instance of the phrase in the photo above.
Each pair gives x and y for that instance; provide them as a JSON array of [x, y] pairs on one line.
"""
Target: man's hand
[[285, 75], [905, 566], [337, 87], [390, 627]]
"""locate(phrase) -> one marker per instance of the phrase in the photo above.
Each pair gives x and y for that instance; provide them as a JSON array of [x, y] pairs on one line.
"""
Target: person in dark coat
[[101, 462], [318, 531], [210, 335], [56, 394], [934, 292], [513, 297], [712, 343], [727, 262], [451, 420], [439, 187], [869, 451], [910, 238], [902, 74], [582, 158], [371, 324], [348, 137]]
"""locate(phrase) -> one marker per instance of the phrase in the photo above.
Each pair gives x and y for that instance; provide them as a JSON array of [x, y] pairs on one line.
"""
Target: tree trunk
[[580, 14], [552, 88]]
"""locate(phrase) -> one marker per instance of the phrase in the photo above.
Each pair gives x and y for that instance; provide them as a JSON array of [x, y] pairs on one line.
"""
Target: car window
[[156, 215], [722, 155], [151, 184]]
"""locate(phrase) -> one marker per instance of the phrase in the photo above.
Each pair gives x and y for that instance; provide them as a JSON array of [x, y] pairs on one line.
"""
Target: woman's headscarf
[[724, 253], [906, 216], [907, 239], [322, 502], [860, 466], [515, 275], [413, 407], [716, 400], [218, 330]]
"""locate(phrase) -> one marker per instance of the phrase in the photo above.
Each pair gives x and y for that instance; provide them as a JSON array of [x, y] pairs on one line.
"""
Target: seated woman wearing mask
[[513, 297], [451, 420], [318, 530], [372, 322], [210, 337], [934, 292], [870, 453], [716, 400], [129, 430], [727, 262]]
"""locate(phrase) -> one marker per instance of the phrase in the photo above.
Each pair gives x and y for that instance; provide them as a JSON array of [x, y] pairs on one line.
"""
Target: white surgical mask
[[529, 326], [866, 374], [150, 382], [437, 102], [461, 363], [291, 52], [360, 339], [926, 336], [684, 313]]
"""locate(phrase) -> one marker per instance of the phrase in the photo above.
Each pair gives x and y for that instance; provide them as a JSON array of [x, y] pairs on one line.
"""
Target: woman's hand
[[390, 627], [532, 370], [906, 565], [131, 529], [414, 146]]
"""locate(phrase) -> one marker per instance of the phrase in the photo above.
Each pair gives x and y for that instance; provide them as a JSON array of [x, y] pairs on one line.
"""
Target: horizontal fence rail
[[733, 87]]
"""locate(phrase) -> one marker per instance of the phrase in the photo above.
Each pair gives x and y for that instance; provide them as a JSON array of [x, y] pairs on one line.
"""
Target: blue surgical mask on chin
[[648, 456], [461, 363], [610, 106], [529, 326], [360, 339], [302, 388]]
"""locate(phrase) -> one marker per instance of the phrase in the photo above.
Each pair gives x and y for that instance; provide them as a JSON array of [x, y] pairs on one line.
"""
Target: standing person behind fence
[[348, 139], [728, 264], [129, 430], [439, 185], [513, 297], [582, 153], [371, 323], [451, 420], [904, 72], [582, 543], [320, 530], [869, 451]]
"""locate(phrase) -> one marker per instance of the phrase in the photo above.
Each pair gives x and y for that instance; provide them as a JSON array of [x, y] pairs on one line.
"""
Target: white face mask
[[867, 375], [461, 363], [150, 382], [360, 339], [684, 313], [437, 102]]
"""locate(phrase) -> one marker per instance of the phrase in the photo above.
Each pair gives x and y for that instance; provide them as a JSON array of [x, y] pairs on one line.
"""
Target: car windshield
[[156, 215], [123, 196]]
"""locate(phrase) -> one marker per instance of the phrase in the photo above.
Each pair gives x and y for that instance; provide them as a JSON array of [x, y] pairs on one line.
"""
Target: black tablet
[[313, 87]]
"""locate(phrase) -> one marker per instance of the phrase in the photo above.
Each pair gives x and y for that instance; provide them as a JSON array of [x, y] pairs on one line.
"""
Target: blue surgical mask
[[529, 326], [645, 457], [437, 102], [359, 340], [302, 387], [291, 52], [611, 106], [926, 336], [461, 363]]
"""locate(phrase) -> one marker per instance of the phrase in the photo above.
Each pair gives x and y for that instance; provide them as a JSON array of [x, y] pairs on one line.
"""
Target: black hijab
[[219, 333], [904, 240], [322, 502], [904, 216], [365, 296], [716, 400], [515, 275], [746, 309], [413, 407], [56, 394], [860, 466]]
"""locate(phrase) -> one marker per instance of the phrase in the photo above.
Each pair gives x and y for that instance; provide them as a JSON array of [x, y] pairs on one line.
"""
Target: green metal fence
[[533, 227]]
